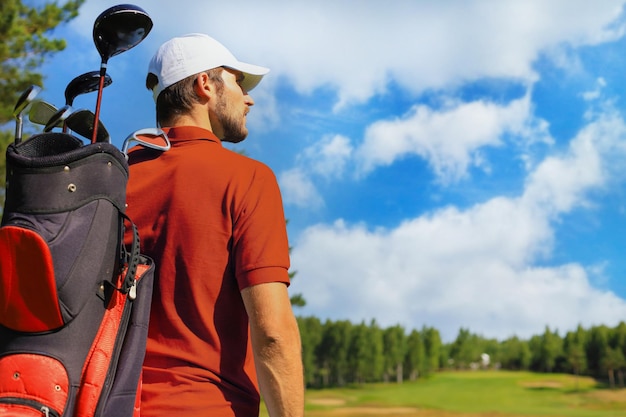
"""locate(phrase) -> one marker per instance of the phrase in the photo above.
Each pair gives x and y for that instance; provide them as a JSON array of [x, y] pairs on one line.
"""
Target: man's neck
[[198, 117]]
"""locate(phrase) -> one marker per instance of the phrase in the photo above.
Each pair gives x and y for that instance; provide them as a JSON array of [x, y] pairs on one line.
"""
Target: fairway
[[472, 394]]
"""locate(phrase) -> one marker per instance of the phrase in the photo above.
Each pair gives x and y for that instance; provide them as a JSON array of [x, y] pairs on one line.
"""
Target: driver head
[[119, 29]]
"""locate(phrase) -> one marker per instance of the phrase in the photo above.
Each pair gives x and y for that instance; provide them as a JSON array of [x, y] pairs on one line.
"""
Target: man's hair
[[179, 98]]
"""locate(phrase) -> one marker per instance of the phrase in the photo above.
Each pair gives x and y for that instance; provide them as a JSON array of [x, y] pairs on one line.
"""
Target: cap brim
[[252, 74]]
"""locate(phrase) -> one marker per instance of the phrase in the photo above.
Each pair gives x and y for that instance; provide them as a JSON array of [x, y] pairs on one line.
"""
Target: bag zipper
[[44, 409], [119, 343]]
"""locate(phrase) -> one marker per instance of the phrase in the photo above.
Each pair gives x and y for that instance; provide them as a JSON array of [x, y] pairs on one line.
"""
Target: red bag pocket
[[28, 292], [30, 383]]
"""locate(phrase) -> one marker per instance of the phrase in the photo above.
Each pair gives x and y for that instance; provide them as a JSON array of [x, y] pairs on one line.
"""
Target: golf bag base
[[74, 302]]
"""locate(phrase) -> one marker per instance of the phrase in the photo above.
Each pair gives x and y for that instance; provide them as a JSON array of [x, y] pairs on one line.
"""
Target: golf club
[[117, 30], [83, 84], [151, 137], [22, 102], [57, 118], [41, 112], [81, 122]]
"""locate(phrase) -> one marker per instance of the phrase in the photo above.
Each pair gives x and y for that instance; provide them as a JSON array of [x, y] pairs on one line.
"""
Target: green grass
[[493, 393]]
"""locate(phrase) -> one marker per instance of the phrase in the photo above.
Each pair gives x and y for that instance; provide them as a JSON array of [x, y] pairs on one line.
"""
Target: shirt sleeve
[[260, 244]]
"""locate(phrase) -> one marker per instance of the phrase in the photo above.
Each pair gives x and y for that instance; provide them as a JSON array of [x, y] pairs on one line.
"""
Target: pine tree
[[25, 43]]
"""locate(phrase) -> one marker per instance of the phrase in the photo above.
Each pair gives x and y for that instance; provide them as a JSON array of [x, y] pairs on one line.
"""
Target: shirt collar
[[188, 133]]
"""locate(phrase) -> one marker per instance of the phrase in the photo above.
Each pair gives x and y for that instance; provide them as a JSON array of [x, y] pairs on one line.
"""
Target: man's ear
[[203, 86]]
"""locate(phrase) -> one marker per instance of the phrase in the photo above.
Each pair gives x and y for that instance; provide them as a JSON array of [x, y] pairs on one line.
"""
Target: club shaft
[[18, 128], [94, 136]]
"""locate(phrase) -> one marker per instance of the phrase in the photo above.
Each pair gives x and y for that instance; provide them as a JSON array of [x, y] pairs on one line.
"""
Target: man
[[221, 324]]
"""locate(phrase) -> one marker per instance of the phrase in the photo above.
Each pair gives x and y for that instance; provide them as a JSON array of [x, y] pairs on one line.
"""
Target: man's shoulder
[[244, 161]]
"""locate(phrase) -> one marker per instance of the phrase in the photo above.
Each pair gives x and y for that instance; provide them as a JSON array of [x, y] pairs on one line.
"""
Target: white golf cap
[[191, 54]]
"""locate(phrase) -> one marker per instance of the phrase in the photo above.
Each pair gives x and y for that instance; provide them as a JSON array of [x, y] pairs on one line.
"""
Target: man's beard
[[232, 124]]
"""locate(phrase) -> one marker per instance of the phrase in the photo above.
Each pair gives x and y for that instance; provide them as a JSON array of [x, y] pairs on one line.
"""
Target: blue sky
[[449, 164]]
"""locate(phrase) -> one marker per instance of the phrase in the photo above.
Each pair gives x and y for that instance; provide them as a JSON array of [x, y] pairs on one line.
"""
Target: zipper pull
[[132, 293], [45, 411]]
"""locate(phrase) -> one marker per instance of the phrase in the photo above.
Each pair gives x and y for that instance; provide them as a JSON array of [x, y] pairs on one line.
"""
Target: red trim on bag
[[99, 357], [28, 292], [36, 378], [137, 407]]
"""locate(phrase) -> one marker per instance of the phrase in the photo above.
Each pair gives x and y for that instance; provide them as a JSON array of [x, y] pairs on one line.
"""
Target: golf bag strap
[[132, 259]]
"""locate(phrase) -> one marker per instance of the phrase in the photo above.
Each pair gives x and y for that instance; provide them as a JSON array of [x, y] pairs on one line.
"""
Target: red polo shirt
[[213, 221]]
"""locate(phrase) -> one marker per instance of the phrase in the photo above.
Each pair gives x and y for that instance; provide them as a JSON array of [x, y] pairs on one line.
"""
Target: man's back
[[213, 221]]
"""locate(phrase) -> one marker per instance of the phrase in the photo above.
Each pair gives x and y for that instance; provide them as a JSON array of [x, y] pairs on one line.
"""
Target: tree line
[[337, 353]]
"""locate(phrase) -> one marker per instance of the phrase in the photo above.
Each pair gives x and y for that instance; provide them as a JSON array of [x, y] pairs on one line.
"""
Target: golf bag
[[74, 301]]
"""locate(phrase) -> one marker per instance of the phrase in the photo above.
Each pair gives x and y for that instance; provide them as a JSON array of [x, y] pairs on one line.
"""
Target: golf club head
[[151, 137], [25, 99], [41, 112], [83, 84], [22, 102], [57, 118], [82, 122], [116, 30], [120, 28]]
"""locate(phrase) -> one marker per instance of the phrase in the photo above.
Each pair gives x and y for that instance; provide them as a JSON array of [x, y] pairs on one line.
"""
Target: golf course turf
[[472, 394]]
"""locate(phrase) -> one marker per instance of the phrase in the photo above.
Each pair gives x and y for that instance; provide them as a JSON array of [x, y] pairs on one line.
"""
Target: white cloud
[[297, 189], [328, 157], [597, 93], [560, 182], [420, 44], [477, 268], [450, 138]]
